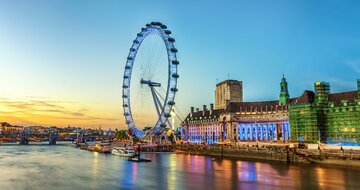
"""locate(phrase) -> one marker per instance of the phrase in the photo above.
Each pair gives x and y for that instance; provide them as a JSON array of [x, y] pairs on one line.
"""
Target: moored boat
[[124, 152], [137, 159]]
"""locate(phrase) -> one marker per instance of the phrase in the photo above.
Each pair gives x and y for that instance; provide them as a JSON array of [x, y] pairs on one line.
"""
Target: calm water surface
[[65, 167]]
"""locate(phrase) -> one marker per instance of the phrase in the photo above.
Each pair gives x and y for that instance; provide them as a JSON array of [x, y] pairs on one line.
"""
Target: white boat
[[124, 152]]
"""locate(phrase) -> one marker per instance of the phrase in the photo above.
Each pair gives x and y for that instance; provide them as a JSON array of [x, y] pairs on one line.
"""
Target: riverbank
[[274, 153], [288, 153]]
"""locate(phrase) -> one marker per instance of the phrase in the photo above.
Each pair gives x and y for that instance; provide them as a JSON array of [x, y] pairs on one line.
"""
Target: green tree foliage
[[121, 134]]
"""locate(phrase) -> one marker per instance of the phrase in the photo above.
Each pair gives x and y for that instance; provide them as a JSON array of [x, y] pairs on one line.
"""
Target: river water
[[64, 167]]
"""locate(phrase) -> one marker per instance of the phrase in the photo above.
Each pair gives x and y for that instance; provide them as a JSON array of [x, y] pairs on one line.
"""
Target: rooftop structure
[[284, 93], [228, 91]]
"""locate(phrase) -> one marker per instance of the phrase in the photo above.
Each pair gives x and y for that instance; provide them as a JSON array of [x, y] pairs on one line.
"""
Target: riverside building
[[327, 117], [236, 120], [312, 117], [259, 121], [203, 126]]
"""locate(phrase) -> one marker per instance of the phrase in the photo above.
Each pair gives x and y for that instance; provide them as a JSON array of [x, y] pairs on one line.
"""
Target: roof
[[216, 113], [307, 96], [237, 106], [338, 97], [229, 82]]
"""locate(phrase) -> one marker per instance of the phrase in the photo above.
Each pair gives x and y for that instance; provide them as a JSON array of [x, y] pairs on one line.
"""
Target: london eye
[[150, 82]]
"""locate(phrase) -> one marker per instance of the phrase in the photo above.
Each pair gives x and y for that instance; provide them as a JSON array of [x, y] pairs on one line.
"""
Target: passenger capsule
[[136, 42], [174, 50], [175, 75], [167, 115], [175, 62], [174, 89], [125, 86], [127, 67], [129, 58], [170, 39], [163, 26], [139, 34], [132, 49], [124, 96], [126, 77], [126, 114], [163, 125], [167, 32], [171, 103], [153, 23], [125, 105], [148, 25]]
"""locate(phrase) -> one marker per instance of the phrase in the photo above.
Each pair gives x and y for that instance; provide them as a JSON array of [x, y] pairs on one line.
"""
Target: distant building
[[228, 91], [38, 129], [6, 127], [327, 117]]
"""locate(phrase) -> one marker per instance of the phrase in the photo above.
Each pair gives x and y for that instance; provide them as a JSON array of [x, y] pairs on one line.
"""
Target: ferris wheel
[[150, 81]]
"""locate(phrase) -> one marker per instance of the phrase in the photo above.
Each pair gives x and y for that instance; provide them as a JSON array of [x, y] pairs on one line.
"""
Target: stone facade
[[257, 121], [228, 91], [203, 126], [237, 120]]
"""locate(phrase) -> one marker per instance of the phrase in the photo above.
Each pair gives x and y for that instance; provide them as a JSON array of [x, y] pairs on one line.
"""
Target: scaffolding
[[324, 121]]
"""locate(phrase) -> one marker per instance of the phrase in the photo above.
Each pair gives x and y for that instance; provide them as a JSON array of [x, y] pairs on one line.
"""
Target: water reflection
[[64, 167], [95, 163]]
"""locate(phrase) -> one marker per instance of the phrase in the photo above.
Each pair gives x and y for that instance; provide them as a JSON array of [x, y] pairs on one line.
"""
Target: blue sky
[[72, 53]]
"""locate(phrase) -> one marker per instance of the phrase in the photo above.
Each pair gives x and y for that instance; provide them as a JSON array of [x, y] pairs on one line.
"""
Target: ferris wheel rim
[[172, 62]]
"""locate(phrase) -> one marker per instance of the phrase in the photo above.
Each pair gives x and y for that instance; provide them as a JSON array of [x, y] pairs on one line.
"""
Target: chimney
[[204, 109], [192, 109], [197, 109], [211, 108]]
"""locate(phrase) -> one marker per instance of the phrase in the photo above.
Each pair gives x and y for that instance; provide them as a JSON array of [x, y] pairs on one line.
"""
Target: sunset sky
[[62, 61]]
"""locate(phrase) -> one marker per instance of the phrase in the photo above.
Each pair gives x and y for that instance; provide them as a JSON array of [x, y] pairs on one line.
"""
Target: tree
[[121, 134]]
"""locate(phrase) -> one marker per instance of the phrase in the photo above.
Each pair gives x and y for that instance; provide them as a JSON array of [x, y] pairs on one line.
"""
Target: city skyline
[[62, 62]]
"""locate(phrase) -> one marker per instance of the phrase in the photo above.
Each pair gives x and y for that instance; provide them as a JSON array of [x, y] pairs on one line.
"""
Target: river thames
[[64, 167]]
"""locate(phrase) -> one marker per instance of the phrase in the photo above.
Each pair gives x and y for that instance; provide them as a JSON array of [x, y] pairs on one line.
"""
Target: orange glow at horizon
[[28, 111]]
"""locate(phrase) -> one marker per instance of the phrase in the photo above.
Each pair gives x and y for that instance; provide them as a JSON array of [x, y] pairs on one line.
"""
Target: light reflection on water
[[64, 167]]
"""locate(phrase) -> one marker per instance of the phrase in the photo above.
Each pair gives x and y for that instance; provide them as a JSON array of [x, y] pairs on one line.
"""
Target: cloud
[[88, 118], [354, 65], [37, 97], [46, 104], [45, 107]]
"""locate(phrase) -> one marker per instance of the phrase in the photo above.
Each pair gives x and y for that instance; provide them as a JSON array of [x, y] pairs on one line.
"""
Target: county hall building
[[314, 116], [235, 120]]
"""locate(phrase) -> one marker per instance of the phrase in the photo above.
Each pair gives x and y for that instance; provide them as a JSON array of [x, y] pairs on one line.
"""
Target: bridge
[[25, 135]]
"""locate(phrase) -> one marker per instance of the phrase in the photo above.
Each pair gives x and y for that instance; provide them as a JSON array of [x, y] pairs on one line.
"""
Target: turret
[[284, 93], [322, 91]]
